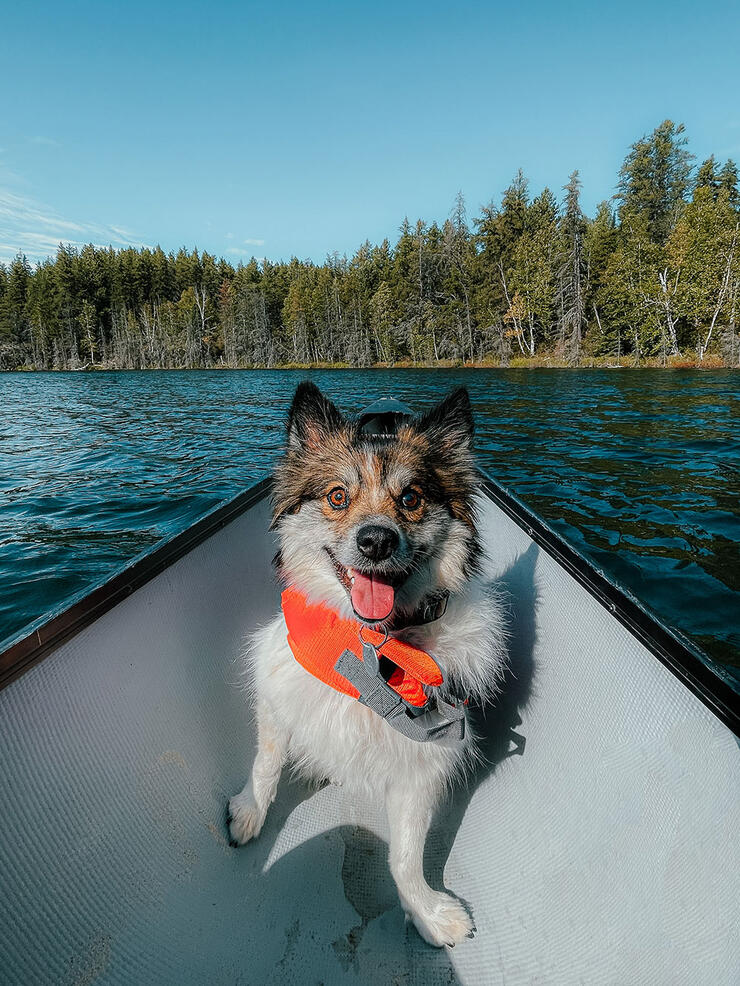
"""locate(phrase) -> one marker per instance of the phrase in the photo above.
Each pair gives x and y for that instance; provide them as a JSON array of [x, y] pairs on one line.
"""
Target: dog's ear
[[449, 426], [312, 417]]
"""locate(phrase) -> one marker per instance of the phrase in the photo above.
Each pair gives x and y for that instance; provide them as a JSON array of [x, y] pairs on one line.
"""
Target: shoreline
[[531, 363]]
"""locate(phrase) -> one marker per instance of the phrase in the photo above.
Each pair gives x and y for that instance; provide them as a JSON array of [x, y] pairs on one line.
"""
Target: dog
[[371, 525]]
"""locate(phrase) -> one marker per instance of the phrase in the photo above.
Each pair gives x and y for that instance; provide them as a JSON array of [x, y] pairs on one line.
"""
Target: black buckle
[[430, 610], [434, 609]]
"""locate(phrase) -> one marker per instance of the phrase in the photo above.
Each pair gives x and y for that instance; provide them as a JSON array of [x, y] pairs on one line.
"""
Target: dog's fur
[[326, 734]]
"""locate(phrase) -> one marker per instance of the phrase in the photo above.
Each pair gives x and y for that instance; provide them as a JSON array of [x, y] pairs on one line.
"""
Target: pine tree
[[660, 276], [629, 287], [533, 275], [572, 273], [655, 177], [457, 255], [599, 244], [728, 182], [498, 232], [704, 254], [706, 176]]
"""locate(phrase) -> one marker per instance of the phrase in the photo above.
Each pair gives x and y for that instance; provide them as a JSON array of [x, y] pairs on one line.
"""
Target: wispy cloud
[[37, 230], [46, 141], [125, 234], [239, 252]]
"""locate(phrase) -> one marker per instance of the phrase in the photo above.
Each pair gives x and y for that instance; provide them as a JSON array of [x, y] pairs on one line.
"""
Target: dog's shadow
[[496, 725], [379, 946]]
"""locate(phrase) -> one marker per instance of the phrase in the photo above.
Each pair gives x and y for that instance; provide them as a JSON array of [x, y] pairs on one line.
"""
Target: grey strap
[[444, 724]]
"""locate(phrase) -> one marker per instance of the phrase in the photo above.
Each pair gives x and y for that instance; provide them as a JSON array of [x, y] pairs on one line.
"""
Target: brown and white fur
[[328, 735]]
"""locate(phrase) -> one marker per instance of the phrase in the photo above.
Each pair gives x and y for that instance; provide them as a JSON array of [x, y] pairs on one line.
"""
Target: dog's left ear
[[312, 417], [449, 425]]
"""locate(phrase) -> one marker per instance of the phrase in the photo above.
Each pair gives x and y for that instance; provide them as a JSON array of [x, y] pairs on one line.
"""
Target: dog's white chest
[[333, 736]]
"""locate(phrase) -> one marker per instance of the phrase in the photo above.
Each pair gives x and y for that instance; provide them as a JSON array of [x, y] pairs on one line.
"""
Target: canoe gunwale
[[678, 654], [681, 658], [23, 653]]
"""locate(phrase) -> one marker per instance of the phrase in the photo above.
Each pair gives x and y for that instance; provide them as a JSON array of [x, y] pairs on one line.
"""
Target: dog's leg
[[439, 918], [247, 810]]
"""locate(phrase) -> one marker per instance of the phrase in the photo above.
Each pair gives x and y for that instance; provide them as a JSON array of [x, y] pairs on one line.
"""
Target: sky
[[299, 129]]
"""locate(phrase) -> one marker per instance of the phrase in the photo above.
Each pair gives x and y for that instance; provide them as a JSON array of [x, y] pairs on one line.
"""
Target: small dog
[[370, 526]]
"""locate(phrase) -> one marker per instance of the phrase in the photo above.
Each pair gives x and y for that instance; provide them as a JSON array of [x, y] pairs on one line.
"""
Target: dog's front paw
[[442, 920], [244, 820]]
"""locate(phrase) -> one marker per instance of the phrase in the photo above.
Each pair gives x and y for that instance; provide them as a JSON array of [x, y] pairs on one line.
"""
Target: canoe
[[597, 844]]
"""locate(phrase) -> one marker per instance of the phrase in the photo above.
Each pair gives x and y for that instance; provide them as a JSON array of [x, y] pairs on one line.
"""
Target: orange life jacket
[[317, 636]]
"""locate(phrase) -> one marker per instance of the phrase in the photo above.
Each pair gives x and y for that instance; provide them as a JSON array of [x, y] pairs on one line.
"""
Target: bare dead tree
[[724, 289], [668, 290], [513, 314]]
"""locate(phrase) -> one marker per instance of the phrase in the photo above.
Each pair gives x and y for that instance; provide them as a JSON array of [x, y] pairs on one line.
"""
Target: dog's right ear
[[312, 418]]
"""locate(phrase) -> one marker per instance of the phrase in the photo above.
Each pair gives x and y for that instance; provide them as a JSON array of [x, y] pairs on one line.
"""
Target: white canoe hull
[[604, 850]]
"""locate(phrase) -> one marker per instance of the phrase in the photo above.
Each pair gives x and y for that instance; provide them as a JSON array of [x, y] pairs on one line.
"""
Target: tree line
[[653, 275]]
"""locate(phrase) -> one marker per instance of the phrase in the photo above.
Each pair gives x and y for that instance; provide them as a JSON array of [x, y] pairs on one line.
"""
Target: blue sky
[[303, 128]]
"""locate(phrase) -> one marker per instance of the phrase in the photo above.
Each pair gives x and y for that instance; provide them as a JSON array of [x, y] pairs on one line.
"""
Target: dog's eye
[[410, 499], [338, 498]]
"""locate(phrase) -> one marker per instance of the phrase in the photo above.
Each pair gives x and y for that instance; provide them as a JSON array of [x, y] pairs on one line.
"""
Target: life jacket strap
[[436, 721], [391, 677]]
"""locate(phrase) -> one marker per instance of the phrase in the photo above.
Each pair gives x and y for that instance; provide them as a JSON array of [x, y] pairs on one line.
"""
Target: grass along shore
[[546, 361]]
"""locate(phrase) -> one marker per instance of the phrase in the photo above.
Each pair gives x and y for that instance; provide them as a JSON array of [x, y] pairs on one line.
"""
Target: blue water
[[638, 469]]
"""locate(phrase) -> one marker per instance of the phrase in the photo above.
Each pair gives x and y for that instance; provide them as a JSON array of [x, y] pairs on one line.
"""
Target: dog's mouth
[[372, 594]]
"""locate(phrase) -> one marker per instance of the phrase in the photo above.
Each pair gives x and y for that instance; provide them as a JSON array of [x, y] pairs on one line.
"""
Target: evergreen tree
[[572, 274], [599, 244], [728, 182], [655, 177], [659, 276], [704, 255], [498, 233], [629, 288], [706, 176], [456, 289], [533, 275]]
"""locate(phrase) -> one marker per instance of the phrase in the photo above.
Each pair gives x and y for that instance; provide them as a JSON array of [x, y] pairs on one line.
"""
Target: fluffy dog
[[372, 525]]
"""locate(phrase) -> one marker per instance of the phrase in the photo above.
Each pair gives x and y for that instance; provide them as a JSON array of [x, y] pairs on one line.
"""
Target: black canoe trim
[[31, 649], [683, 659], [680, 656]]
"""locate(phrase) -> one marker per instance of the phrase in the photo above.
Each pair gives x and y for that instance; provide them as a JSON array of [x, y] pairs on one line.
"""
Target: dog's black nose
[[376, 542]]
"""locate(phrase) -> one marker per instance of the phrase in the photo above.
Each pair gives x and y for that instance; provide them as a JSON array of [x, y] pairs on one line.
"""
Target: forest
[[652, 278]]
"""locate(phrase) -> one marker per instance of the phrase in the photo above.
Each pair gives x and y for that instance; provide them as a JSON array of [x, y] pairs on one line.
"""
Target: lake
[[638, 469]]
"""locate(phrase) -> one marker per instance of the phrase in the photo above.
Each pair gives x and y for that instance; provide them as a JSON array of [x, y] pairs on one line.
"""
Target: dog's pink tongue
[[372, 597]]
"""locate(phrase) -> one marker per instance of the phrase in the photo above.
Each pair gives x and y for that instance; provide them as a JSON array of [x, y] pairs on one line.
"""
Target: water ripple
[[638, 469]]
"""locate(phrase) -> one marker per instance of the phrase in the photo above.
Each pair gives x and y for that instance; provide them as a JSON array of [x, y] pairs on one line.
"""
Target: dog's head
[[372, 524]]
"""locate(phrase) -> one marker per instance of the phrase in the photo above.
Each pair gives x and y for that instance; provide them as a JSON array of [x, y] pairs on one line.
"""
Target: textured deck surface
[[604, 853]]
